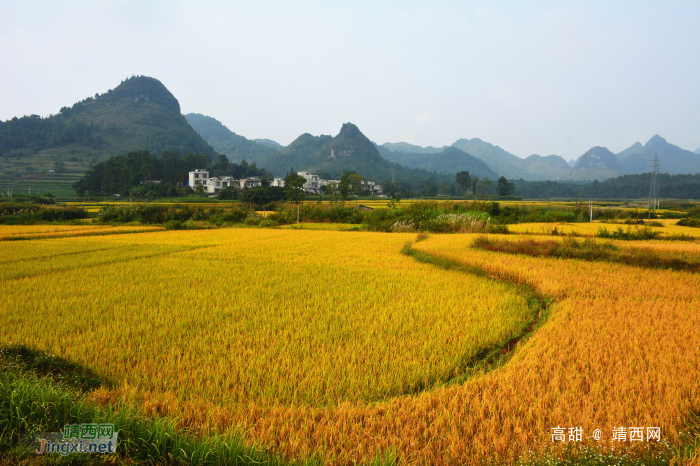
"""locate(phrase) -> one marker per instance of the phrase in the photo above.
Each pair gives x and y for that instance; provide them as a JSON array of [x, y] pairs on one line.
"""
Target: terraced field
[[59, 184]]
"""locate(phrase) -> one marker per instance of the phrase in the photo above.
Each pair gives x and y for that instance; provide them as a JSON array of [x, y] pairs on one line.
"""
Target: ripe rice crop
[[334, 345], [321, 226], [253, 320], [590, 229], [11, 232]]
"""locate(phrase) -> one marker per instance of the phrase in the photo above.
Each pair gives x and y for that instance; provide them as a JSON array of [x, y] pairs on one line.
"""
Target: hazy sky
[[532, 77]]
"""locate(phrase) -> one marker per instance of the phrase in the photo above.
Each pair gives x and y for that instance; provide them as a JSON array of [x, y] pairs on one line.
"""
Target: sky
[[534, 77]]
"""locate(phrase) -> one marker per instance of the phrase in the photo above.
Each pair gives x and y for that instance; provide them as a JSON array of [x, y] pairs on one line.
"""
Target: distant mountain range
[[598, 163], [497, 160], [140, 113], [448, 160]]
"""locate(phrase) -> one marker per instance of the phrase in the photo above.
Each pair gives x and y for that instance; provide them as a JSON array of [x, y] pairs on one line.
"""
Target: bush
[[589, 250], [689, 222], [160, 214], [268, 224], [15, 213], [641, 234], [252, 221]]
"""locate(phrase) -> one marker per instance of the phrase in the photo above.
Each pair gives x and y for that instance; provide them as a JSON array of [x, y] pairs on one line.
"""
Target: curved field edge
[[408, 324], [603, 315], [557, 457], [493, 356], [41, 393]]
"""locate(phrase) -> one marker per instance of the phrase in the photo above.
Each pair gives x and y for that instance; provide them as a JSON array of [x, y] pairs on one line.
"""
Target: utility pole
[[654, 187], [590, 205], [577, 198]]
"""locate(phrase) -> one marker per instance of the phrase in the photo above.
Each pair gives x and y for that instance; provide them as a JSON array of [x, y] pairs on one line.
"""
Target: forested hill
[[138, 114], [353, 151], [225, 141], [621, 187]]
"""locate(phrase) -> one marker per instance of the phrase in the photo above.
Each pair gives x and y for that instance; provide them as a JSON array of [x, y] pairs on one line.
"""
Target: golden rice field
[[256, 316], [11, 232], [333, 344], [590, 229], [321, 226]]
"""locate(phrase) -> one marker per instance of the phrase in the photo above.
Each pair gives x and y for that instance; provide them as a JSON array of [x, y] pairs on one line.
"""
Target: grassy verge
[[42, 393], [590, 250]]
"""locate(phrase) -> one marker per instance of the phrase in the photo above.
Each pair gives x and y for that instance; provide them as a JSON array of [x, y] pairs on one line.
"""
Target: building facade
[[199, 176], [311, 181]]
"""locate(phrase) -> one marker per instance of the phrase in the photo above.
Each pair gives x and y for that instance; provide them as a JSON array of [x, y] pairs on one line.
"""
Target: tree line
[[621, 187], [123, 174]]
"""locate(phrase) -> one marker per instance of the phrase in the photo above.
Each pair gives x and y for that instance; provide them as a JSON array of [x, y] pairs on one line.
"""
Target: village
[[312, 185]]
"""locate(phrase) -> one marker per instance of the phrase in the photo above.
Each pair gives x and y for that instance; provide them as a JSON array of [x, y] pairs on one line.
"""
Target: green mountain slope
[[410, 148], [225, 141], [448, 161], [138, 114], [349, 150], [633, 149], [550, 167], [502, 162], [298, 155], [270, 143], [598, 163]]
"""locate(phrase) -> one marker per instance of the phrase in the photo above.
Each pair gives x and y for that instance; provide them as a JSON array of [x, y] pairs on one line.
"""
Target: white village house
[[212, 185], [311, 182]]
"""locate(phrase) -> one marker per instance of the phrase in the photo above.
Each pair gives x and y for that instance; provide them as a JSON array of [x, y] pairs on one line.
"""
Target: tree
[[463, 180], [199, 189], [222, 166], [331, 189], [485, 186], [444, 187], [294, 186], [356, 182], [262, 195], [350, 182], [504, 188], [475, 182], [230, 193]]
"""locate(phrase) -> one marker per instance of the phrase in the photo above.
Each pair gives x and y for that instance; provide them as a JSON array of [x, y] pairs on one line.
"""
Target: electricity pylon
[[654, 188]]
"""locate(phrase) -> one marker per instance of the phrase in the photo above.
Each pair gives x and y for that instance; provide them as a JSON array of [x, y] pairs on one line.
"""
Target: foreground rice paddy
[[271, 317], [13, 232], [334, 345]]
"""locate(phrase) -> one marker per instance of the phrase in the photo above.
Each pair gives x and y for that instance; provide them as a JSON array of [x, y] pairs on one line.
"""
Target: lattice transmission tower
[[654, 188]]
